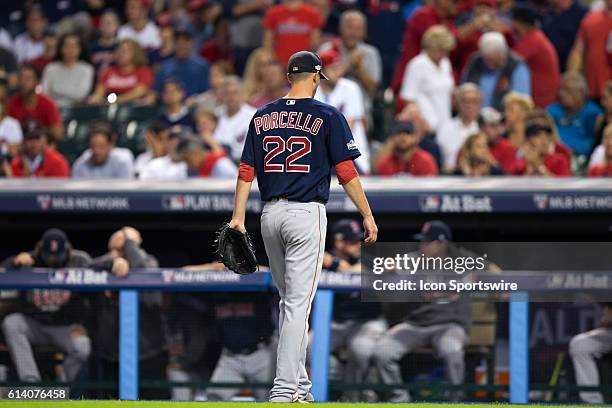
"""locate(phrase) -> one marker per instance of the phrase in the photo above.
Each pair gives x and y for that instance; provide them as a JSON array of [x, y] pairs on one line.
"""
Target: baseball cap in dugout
[[435, 230], [347, 230], [305, 61]]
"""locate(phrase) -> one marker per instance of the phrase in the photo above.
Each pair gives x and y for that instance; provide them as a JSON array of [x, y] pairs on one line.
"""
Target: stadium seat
[[84, 113], [128, 113]]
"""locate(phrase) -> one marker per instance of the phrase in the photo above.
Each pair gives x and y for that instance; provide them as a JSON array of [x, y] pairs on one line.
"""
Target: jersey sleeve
[[340, 143], [248, 151]]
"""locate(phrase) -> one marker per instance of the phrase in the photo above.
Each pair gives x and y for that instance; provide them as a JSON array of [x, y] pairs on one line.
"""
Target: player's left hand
[[237, 225], [370, 229]]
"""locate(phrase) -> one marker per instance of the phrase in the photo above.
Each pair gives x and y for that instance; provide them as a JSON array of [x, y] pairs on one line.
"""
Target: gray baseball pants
[[448, 341], [294, 237], [22, 332], [237, 368], [584, 348]]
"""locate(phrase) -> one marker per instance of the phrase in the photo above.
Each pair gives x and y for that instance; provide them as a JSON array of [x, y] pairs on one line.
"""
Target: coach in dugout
[[356, 326], [442, 324], [48, 317]]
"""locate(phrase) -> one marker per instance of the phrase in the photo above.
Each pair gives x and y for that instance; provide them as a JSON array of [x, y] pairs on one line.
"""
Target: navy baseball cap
[[347, 230], [434, 231], [536, 128], [305, 61], [54, 246], [402, 127]]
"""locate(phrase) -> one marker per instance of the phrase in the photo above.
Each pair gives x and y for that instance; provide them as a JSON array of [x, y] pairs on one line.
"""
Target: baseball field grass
[[171, 404]]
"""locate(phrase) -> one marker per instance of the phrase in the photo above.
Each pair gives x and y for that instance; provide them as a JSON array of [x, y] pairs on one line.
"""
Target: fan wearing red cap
[[346, 96]]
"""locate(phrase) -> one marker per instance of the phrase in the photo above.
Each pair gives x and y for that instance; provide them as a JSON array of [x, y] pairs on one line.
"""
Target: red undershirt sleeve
[[246, 172], [346, 171]]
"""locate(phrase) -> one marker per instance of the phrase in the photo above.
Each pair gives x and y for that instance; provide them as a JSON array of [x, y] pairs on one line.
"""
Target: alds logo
[[351, 145]]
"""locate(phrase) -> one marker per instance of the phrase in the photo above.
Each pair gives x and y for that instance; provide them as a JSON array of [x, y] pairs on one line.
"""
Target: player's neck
[[299, 92]]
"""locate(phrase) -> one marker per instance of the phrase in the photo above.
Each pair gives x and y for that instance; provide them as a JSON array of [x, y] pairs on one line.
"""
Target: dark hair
[[157, 127], [103, 127], [31, 67], [83, 56]]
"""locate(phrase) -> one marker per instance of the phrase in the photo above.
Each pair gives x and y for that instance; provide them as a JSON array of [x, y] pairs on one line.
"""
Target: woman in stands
[[129, 80], [69, 79], [475, 158], [516, 109]]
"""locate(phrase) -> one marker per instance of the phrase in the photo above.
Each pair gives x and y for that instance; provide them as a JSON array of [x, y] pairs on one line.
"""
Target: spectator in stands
[[539, 156], [37, 158], [129, 80], [50, 42], [490, 122], [31, 104], [345, 95], [442, 324], [205, 161], [592, 52], [157, 141], [539, 55], [412, 114], [497, 70], [246, 31], [102, 50], [101, 160], [219, 47], [205, 125], [125, 252], [48, 317], [69, 79], [139, 27], [541, 117], [234, 118], [211, 99], [575, 115], [8, 67], [244, 328], [401, 154], [452, 134], [190, 68], [356, 326], [560, 24], [605, 167], [29, 45], [291, 26], [428, 80], [603, 121], [252, 72], [11, 134], [273, 85], [175, 111], [436, 13], [585, 348], [516, 109], [166, 49], [475, 158], [361, 62], [170, 166]]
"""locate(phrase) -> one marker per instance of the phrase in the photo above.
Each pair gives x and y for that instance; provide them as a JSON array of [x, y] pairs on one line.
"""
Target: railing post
[[321, 322], [128, 344], [519, 348]]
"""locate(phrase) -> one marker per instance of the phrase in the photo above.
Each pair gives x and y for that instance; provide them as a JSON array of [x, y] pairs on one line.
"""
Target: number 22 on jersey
[[299, 146]]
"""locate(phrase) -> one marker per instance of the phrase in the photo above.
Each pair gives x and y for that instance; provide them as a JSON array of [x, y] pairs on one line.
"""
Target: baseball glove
[[235, 250]]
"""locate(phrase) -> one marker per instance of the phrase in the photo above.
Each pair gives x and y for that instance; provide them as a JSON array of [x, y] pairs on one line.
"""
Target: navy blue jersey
[[293, 144]]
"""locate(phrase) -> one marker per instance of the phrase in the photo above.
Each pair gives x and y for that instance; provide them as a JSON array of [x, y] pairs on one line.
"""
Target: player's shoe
[[307, 399]]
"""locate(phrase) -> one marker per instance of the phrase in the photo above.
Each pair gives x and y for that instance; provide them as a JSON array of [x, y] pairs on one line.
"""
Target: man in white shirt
[[345, 95], [168, 166], [138, 26], [29, 45], [452, 134], [234, 117]]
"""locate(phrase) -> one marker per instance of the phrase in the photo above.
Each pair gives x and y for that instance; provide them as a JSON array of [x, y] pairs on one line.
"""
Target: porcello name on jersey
[[290, 120]]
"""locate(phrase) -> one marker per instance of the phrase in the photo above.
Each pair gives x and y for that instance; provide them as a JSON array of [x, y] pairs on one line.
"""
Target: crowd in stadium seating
[[415, 101]]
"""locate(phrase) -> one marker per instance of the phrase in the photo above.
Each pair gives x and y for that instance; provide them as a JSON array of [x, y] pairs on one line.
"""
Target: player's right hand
[[237, 225], [370, 230]]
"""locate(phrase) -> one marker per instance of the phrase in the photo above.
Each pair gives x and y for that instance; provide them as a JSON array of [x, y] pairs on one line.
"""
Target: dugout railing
[[176, 280]]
